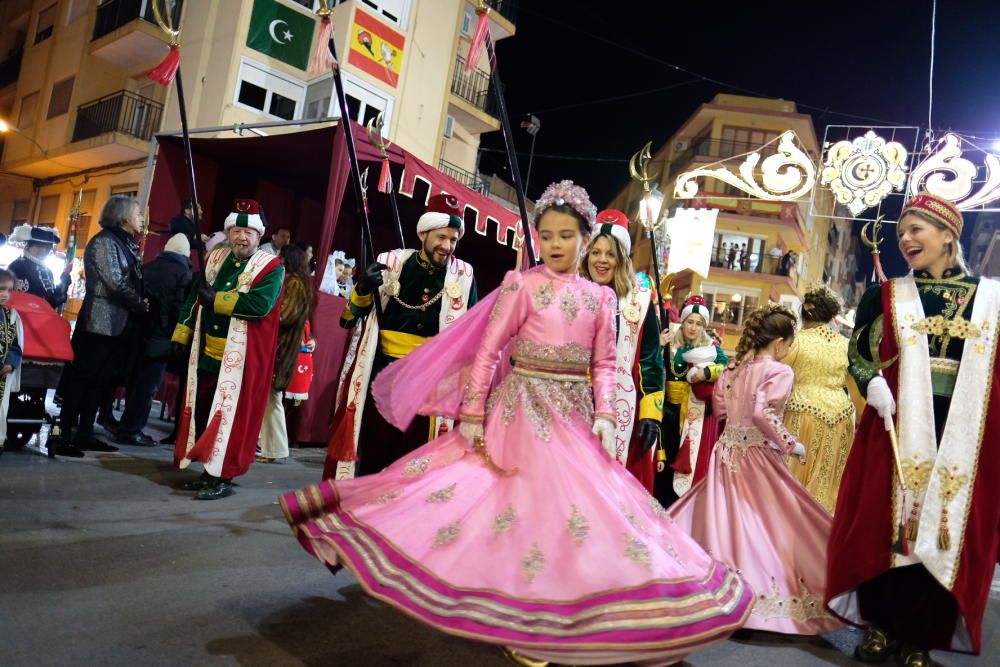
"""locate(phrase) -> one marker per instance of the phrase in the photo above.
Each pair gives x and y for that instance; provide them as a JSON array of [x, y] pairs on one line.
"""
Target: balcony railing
[[115, 13], [473, 87], [465, 177], [506, 8], [123, 112]]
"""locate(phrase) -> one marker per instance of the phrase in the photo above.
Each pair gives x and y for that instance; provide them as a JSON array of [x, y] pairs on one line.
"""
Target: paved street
[[103, 562]]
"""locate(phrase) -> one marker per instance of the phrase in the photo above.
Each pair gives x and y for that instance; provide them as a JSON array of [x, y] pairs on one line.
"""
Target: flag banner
[[691, 232], [281, 32], [376, 49]]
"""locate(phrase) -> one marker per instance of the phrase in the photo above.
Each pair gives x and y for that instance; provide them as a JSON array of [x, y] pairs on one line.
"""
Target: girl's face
[[602, 260], [924, 245], [782, 347], [340, 271], [561, 241], [693, 327]]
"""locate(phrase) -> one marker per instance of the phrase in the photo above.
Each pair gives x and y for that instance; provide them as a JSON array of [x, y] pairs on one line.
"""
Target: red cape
[[864, 524]]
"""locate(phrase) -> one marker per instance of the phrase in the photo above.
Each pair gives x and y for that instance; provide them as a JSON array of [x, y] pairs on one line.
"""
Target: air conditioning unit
[[681, 145], [449, 127]]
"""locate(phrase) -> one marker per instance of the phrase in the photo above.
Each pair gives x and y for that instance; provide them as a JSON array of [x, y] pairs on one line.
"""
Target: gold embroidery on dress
[[577, 526], [569, 306], [736, 440], [937, 325], [916, 474], [801, 609], [447, 534], [442, 495], [534, 563], [544, 296], [505, 291], [417, 466], [573, 354], [591, 302], [637, 551], [951, 483], [386, 498], [503, 521]]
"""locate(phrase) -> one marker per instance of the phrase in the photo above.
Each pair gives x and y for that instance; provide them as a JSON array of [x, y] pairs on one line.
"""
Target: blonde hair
[[624, 279], [678, 339], [955, 253]]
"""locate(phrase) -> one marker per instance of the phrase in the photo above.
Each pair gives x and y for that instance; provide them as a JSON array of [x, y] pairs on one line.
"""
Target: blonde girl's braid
[[764, 325]]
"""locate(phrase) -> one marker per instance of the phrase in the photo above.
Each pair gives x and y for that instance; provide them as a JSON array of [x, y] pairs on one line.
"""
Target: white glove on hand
[[696, 374], [880, 398], [799, 450], [470, 430], [605, 430]]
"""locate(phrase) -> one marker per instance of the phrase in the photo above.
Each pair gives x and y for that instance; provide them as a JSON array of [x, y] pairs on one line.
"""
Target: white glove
[[695, 374], [880, 398], [605, 430], [799, 450], [470, 430]]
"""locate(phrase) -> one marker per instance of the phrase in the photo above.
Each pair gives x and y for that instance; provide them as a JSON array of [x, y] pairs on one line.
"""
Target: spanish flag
[[376, 48]]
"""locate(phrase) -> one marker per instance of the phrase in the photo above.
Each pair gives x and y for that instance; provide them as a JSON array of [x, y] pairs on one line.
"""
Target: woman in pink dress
[[749, 511], [518, 528]]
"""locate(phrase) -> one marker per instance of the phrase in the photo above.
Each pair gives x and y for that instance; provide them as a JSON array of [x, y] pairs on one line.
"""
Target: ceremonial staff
[[167, 71], [385, 177], [479, 39], [638, 167]]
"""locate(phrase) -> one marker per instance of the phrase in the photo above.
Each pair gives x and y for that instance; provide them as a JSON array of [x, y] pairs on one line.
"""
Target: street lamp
[[6, 127], [650, 212], [531, 125]]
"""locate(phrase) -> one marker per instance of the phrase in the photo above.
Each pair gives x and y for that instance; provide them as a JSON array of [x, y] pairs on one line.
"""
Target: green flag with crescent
[[281, 32]]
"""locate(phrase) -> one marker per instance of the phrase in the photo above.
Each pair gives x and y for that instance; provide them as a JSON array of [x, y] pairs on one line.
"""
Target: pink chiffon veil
[[431, 380]]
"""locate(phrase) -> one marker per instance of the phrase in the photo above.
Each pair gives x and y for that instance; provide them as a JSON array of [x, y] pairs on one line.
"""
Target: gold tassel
[[913, 524], [944, 537]]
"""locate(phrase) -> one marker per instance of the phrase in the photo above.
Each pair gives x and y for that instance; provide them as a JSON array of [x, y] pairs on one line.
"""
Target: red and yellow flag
[[376, 48]]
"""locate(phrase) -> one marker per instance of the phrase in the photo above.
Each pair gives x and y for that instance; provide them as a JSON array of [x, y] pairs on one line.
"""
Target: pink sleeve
[[719, 395], [506, 318], [769, 406], [603, 359]]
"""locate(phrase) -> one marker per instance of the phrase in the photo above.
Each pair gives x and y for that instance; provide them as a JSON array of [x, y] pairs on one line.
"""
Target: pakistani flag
[[281, 32]]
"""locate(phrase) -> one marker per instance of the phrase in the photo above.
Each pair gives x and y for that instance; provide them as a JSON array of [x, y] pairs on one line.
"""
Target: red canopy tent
[[301, 180]]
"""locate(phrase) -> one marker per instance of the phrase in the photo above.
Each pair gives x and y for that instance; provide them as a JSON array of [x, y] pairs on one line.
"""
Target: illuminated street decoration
[[786, 175], [861, 173], [931, 175]]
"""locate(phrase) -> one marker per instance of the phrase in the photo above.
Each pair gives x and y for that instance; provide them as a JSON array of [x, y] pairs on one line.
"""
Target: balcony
[[465, 177], [126, 34], [506, 9], [472, 101], [124, 112]]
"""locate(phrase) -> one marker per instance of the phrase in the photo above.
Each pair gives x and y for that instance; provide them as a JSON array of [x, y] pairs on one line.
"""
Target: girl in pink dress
[[518, 528], [749, 511]]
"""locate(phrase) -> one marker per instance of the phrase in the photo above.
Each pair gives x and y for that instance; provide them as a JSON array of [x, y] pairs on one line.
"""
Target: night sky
[[601, 78]]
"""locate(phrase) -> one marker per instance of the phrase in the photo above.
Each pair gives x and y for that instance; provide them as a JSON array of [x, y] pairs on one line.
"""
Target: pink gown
[[567, 558], [750, 512]]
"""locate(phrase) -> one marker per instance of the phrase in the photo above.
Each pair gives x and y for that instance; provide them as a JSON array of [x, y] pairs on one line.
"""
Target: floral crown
[[565, 192]]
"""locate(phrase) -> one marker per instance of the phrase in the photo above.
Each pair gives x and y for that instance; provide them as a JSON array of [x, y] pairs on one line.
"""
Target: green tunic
[[251, 305]]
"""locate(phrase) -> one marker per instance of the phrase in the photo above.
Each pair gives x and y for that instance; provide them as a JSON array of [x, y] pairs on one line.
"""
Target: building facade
[[762, 251], [73, 85]]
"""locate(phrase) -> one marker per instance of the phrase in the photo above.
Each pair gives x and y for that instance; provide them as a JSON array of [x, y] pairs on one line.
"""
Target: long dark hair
[[295, 262]]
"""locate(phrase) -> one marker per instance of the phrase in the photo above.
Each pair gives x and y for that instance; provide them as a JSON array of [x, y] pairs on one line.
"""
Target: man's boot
[[221, 489], [62, 444], [203, 482]]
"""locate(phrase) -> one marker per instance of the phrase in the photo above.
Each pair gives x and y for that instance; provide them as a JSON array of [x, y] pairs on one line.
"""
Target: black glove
[[649, 433], [206, 295], [180, 352], [371, 279]]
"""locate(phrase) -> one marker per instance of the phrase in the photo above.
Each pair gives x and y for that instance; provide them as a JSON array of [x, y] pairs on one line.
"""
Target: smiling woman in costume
[[915, 566], [639, 365]]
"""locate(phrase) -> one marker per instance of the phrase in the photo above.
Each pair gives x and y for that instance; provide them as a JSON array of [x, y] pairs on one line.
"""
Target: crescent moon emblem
[[271, 28]]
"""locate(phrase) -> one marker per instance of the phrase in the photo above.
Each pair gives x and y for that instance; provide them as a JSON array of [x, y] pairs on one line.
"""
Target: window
[[62, 91], [364, 102], [739, 140], [48, 207], [29, 109], [77, 9], [314, 4], [395, 11], [128, 189], [738, 252], [730, 304], [46, 21], [87, 214], [19, 215], [269, 91], [319, 95], [467, 23]]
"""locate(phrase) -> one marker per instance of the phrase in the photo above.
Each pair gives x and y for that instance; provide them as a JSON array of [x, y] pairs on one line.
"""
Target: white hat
[[179, 244], [21, 234], [246, 213]]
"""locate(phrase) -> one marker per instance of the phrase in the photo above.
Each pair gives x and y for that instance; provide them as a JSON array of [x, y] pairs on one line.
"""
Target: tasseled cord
[[322, 61], [478, 37], [385, 177], [165, 72]]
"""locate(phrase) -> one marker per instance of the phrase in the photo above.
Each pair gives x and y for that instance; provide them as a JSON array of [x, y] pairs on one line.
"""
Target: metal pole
[[508, 138], [531, 159], [189, 158]]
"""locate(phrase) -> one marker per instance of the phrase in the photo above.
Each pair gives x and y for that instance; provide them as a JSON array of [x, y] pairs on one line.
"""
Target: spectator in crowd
[[106, 328], [11, 346], [720, 254], [296, 297], [786, 264], [279, 239], [731, 256], [183, 223], [774, 255], [31, 273], [747, 256], [166, 281]]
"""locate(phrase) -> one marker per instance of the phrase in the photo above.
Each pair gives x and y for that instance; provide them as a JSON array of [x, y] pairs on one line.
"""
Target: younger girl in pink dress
[[749, 511], [518, 528]]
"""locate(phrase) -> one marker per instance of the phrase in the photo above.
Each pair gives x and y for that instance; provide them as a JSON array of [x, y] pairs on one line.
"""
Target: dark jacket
[[37, 279], [166, 281], [181, 224], [114, 298]]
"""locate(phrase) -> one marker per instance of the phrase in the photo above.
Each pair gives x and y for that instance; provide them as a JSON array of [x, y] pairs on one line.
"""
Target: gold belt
[[561, 371]]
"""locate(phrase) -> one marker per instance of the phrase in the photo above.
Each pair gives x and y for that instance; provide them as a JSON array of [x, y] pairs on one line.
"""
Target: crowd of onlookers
[[738, 257], [130, 306]]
